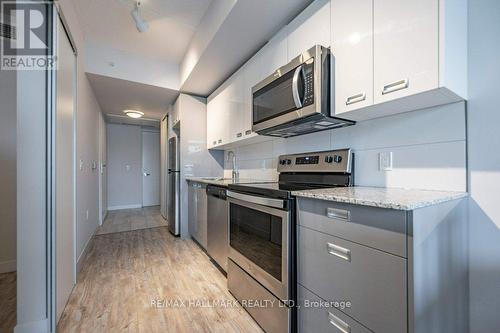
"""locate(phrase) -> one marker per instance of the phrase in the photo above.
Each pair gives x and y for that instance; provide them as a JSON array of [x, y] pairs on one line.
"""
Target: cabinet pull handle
[[338, 323], [248, 132], [355, 98], [339, 251], [239, 135], [395, 86], [335, 213], [220, 141], [214, 143]]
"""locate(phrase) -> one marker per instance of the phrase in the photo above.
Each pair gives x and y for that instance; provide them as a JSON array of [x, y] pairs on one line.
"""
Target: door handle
[[295, 87], [339, 251], [146, 174], [395, 86], [355, 98], [335, 213], [338, 323]]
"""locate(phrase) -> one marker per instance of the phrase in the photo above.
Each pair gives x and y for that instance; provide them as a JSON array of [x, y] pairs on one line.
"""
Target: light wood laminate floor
[[7, 302], [123, 273], [132, 219]]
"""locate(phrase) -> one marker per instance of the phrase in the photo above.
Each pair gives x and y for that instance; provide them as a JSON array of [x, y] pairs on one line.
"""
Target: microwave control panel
[[308, 72]]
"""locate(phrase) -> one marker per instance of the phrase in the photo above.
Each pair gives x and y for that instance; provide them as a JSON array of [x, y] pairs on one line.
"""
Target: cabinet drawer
[[373, 281], [383, 229], [314, 316]]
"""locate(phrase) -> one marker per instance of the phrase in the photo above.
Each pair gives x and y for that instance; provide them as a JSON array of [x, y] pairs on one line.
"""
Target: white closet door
[[64, 172]]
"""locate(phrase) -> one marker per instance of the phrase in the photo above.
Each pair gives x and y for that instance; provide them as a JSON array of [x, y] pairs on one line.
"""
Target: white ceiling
[[172, 24], [115, 95]]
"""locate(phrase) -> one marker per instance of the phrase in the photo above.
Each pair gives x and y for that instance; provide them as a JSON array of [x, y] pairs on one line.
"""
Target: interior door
[[150, 168], [65, 171]]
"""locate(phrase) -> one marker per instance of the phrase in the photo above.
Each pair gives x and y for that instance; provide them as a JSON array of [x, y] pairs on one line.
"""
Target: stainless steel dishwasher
[[217, 225]]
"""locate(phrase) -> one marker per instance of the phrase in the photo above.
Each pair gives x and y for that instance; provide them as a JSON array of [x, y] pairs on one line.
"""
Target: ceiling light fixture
[[140, 23], [134, 113]]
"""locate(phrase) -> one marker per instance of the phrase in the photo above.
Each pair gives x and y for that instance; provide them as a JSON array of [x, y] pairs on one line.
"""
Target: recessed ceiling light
[[134, 113]]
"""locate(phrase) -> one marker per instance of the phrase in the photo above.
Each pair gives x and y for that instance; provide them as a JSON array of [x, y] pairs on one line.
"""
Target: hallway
[[125, 272], [132, 219]]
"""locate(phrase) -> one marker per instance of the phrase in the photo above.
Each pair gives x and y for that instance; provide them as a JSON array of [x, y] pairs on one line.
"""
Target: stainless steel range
[[262, 234]]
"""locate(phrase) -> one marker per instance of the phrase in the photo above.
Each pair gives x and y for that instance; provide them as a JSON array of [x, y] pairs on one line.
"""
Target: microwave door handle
[[295, 87]]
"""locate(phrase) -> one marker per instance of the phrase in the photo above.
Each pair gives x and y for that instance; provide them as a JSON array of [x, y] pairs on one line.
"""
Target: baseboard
[[81, 258], [125, 207], [8, 266], [39, 326]]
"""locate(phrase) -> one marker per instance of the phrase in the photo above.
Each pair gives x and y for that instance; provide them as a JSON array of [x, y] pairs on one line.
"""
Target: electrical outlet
[[385, 161]]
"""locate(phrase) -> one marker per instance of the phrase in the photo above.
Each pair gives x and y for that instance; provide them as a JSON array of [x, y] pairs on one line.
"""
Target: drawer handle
[[395, 86], [335, 213], [339, 251], [239, 135], [341, 325], [220, 141], [355, 98]]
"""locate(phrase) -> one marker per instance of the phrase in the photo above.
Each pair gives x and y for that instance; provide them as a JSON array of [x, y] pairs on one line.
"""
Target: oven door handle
[[295, 87], [275, 203]]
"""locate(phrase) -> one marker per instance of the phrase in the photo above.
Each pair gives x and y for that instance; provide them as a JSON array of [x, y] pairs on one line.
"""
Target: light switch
[[385, 161]]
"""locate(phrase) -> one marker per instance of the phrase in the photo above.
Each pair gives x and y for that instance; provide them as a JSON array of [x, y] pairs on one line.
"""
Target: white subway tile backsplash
[[310, 142], [429, 150], [440, 124], [430, 166]]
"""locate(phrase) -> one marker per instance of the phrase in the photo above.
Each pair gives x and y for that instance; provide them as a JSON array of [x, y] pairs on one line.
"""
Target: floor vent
[[7, 31]]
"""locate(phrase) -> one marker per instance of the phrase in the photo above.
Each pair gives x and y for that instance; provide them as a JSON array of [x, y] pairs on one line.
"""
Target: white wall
[[7, 171], [484, 164], [124, 166], [87, 140], [429, 150]]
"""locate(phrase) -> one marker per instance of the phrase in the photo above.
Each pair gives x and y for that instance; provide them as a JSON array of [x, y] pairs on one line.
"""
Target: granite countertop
[[392, 198], [225, 181]]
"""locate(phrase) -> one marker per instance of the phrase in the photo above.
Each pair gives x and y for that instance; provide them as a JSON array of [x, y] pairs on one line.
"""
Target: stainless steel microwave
[[295, 99]]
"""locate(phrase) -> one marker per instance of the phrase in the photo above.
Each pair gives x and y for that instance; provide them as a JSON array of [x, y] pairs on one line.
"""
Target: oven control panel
[[326, 161]]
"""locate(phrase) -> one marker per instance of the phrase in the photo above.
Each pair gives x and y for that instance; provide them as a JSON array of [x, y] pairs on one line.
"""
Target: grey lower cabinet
[[369, 269], [197, 212]]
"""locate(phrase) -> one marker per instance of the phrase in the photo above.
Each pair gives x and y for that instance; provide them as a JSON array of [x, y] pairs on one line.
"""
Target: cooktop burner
[[304, 172]]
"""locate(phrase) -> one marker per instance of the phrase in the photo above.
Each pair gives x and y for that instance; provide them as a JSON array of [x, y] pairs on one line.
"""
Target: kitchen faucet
[[235, 175]]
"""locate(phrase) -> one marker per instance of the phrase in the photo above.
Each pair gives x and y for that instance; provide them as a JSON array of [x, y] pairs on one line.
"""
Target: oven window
[[258, 237], [274, 99]]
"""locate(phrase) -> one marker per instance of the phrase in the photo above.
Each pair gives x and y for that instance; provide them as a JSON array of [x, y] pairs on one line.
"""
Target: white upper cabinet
[[235, 105], [352, 49], [414, 55], [273, 55], [211, 122], [405, 47], [252, 75], [309, 28]]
